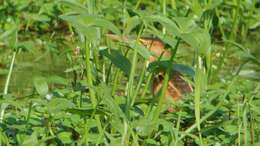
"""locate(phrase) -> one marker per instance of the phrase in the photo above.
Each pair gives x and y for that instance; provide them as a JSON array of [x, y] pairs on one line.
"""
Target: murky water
[[29, 65]]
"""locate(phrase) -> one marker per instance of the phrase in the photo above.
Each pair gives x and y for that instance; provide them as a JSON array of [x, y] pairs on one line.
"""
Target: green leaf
[[104, 92], [145, 126], [32, 140], [73, 68], [65, 137], [59, 104], [26, 45], [199, 39], [250, 74], [184, 69], [58, 80], [254, 22], [167, 39], [163, 65], [86, 111], [168, 23], [214, 4], [90, 20], [91, 33], [151, 141], [232, 129], [132, 23], [141, 50], [74, 5], [186, 29], [9, 37], [36, 17], [118, 60], [41, 85]]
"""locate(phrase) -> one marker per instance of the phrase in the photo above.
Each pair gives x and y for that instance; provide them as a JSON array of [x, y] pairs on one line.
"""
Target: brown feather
[[177, 86]]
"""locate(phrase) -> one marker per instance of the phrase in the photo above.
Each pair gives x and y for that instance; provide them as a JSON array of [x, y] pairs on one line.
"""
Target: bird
[[177, 86]]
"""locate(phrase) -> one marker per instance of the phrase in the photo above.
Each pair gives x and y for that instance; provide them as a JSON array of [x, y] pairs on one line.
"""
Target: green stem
[[162, 95], [235, 20], [132, 74], [198, 88], [115, 82], [164, 13], [239, 124], [187, 131], [89, 75], [100, 129], [5, 105], [125, 138], [146, 85], [49, 127], [137, 4], [9, 74], [29, 112], [85, 137], [131, 81], [117, 77], [138, 86], [245, 122]]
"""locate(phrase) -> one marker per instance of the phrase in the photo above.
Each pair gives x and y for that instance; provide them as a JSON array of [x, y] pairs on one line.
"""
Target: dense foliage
[[100, 91]]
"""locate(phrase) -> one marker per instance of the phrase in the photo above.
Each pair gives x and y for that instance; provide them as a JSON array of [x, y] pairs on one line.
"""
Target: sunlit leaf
[[59, 104], [90, 20], [105, 93], [74, 5], [132, 23], [199, 39], [9, 37], [41, 85], [187, 30], [168, 23], [65, 137], [57, 80], [141, 50]]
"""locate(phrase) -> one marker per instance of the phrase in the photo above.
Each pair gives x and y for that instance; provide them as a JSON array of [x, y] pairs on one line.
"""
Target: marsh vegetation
[[64, 81]]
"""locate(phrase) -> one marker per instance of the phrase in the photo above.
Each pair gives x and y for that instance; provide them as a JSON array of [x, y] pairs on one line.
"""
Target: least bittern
[[177, 86]]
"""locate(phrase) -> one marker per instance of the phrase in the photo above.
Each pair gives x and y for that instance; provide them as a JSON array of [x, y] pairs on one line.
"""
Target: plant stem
[[138, 86], [164, 13], [131, 81], [89, 75], [115, 82], [4, 105], [198, 88], [9, 74]]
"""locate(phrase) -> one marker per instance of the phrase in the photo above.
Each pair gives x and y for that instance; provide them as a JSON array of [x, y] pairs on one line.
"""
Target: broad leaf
[[104, 92], [90, 20], [118, 60], [142, 50], [186, 29], [59, 104], [163, 65], [41, 85], [199, 39], [132, 23], [74, 5]]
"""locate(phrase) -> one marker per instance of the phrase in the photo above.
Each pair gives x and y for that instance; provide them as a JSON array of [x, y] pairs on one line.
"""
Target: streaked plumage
[[177, 86]]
